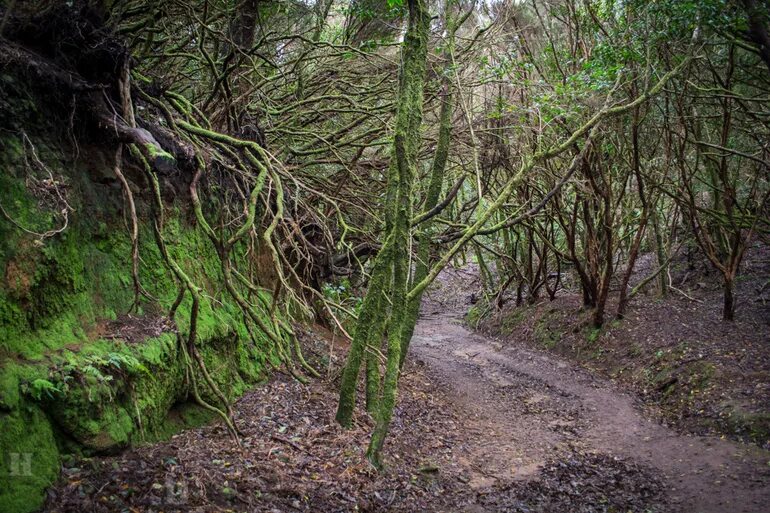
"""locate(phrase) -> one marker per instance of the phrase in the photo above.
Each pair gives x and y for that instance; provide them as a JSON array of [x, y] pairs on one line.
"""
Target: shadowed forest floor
[[481, 426]]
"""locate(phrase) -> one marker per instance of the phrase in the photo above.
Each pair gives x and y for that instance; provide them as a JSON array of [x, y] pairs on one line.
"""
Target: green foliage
[[473, 316], [342, 294], [40, 389], [676, 19], [96, 373], [592, 335]]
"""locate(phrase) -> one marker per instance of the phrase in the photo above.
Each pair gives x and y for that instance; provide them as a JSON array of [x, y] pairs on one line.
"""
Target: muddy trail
[[528, 407]]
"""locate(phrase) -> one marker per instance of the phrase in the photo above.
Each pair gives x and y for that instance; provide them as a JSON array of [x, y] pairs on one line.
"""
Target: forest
[[465, 256]]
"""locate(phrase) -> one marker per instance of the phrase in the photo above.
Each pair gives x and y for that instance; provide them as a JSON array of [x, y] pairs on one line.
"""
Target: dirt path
[[525, 407]]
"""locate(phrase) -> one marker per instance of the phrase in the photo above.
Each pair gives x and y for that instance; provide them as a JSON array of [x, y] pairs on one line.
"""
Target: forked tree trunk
[[393, 261], [369, 317], [406, 146], [431, 200]]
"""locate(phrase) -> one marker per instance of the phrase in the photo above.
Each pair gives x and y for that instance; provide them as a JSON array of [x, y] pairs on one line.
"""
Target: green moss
[[112, 429], [105, 406], [29, 459], [747, 422], [9, 386], [181, 416], [701, 373], [512, 320], [681, 385], [156, 152], [547, 329]]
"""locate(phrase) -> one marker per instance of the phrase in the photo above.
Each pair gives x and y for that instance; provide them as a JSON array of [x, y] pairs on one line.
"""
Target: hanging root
[[191, 354], [139, 291], [282, 338], [49, 191], [199, 400], [247, 213]]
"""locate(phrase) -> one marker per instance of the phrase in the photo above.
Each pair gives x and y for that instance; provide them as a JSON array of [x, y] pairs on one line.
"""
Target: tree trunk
[[431, 200], [406, 144], [728, 311], [370, 316], [660, 254], [634, 251]]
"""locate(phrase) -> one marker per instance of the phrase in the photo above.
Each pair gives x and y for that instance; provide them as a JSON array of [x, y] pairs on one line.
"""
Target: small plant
[[95, 373], [342, 294], [39, 389], [593, 334], [473, 316], [126, 362]]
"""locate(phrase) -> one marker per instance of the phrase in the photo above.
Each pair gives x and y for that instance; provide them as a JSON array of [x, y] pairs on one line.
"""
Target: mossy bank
[[83, 367]]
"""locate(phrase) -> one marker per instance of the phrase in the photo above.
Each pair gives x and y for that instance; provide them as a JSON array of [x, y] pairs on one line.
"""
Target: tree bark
[[406, 146], [728, 311]]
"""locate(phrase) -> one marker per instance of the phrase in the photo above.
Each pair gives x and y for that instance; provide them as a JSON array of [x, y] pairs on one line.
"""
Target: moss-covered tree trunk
[[389, 282], [406, 145], [438, 168], [370, 316], [431, 200]]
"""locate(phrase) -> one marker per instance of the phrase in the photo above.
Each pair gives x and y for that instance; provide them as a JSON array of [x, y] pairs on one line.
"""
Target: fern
[[40, 388]]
